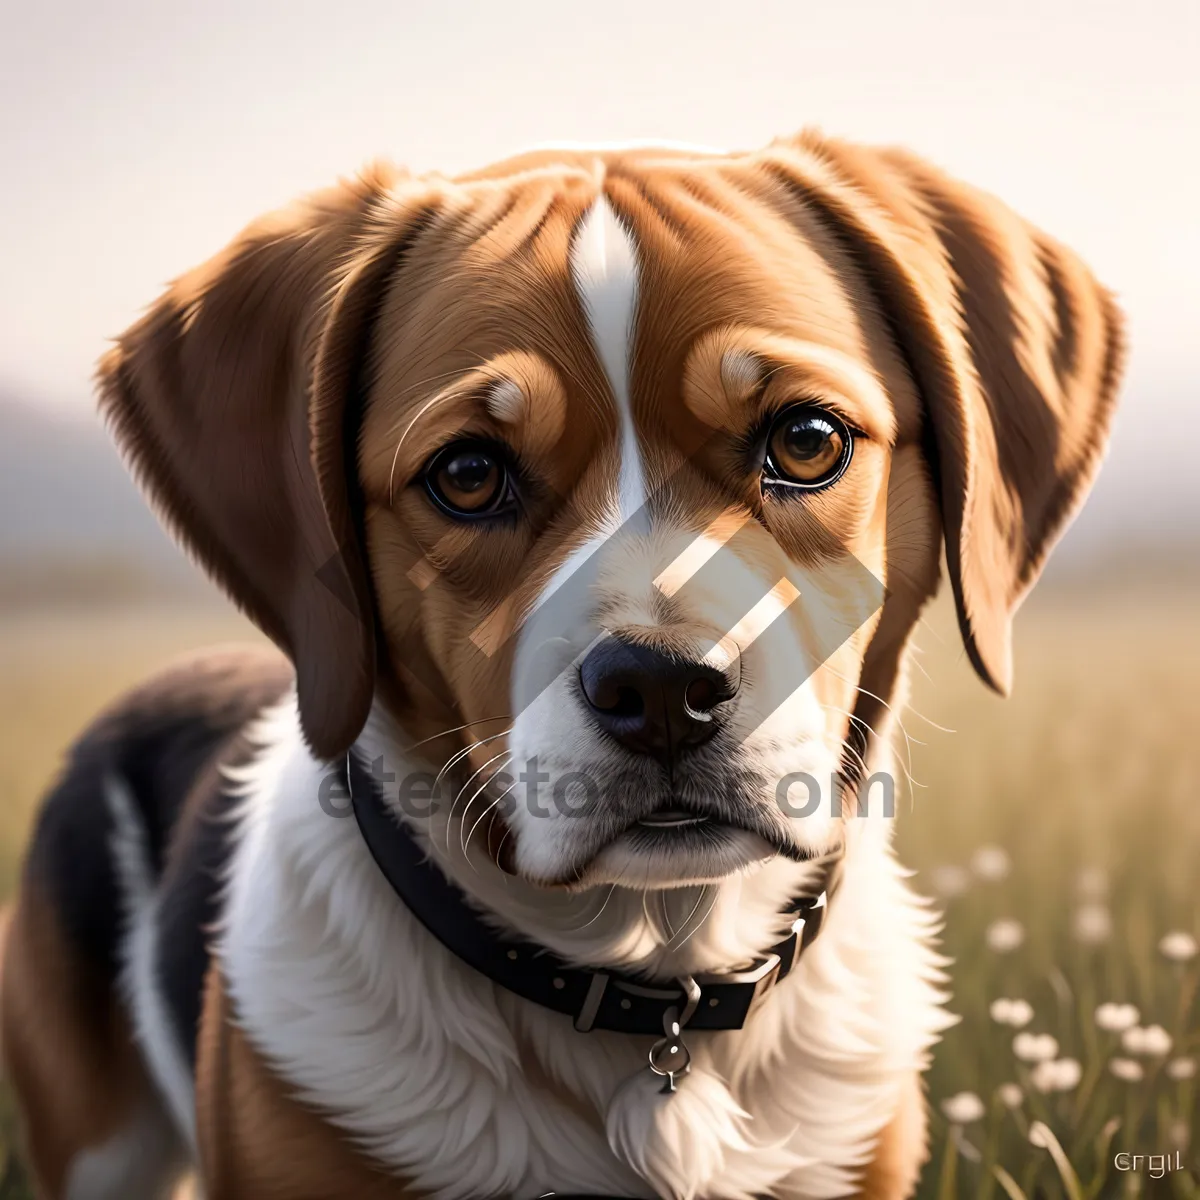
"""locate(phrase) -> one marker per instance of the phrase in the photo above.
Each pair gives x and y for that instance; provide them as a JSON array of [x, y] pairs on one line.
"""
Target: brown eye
[[807, 448], [469, 479]]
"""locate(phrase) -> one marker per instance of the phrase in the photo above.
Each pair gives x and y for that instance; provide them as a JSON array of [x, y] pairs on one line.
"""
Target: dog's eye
[[470, 479], [808, 447]]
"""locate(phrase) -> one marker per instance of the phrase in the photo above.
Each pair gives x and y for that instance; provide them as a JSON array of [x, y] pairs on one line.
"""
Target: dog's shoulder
[[271, 1143]]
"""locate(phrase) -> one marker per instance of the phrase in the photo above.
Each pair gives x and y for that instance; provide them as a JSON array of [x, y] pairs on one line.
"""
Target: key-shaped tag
[[669, 1057]]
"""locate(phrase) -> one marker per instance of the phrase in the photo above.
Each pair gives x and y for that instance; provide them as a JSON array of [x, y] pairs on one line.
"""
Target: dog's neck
[[661, 933], [358, 1008]]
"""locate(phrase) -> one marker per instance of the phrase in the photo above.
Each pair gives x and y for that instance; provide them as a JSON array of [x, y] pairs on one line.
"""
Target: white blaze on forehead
[[604, 267]]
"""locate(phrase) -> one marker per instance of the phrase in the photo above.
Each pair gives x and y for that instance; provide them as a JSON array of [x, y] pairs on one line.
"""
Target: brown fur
[[259, 1143], [902, 1150], [67, 1047]]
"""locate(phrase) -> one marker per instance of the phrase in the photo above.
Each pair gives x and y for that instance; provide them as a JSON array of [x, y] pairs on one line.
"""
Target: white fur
[[604, 267], [141, 1161], [161, 1050], [418, 1059]]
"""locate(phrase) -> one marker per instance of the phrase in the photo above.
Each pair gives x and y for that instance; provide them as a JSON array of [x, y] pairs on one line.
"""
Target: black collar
[[593, 999]]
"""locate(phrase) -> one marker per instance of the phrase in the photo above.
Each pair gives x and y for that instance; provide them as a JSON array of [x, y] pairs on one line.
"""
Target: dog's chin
[[679, 852]]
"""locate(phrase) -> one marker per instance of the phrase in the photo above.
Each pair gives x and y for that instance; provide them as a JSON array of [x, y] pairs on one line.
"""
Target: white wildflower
[[1092, 924], [1116, 1018], [991, 864], [1152, 1040], [1179, 1135], [1039, 1135], [1004, 935], [963, 1108], [1010, 1095], [1181, 1068], [1178, 946], [949, 881], [1057, 1075], [1035, 1047], [1070, 1072], [1017, 1013], [1127, 1069]]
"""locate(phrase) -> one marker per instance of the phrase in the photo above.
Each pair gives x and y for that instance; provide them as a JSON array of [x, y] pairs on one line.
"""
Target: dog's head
[[631, 469]]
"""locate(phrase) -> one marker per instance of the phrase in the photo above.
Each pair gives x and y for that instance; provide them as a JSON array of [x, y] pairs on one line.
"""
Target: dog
[[623, 474]]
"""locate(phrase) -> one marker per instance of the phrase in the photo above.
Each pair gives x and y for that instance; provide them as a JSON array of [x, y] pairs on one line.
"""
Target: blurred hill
[[72, 522], [63, 489]]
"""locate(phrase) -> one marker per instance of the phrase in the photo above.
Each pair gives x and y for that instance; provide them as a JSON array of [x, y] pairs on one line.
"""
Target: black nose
[[651, 702]]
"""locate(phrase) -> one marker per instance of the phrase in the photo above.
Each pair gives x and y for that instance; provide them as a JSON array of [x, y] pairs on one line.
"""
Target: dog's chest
[[463, 1090]]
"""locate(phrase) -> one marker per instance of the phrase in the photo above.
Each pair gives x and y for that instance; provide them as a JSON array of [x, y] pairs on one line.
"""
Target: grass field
[[1066, 820]]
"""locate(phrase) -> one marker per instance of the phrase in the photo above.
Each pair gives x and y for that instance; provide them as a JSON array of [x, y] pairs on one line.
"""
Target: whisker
[[908, 741], [479, 791], [665, 915], [908, 708], [461, 754], [845, 745], [500, 847], [466, 841], [929, 720], [700, 924], [612, 887], [695, 907], [907, 767], [471, 779], [866, 770], [646, 896], [922, 621], [482, 788], [456, 729], [490, 809], [865, 692], [916, 662]]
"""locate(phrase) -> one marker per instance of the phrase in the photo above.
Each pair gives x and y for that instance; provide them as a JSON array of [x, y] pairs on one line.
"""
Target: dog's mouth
[[679, 833], [672, 818], [678, 844], [689, 834], [683, 823], [688, 837]]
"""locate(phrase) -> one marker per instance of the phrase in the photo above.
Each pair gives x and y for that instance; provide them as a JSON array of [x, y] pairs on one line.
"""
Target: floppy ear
[[1015, 348], [233, 401]]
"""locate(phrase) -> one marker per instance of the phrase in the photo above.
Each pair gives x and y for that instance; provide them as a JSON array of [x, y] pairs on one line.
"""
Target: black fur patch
[[191, 890], [163, 741]]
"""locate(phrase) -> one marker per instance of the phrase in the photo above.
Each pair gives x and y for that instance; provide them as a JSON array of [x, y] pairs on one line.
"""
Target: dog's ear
[[234, 403], [1016, 351]]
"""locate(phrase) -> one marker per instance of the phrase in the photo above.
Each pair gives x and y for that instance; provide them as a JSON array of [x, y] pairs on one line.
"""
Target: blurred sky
[[136, 136]]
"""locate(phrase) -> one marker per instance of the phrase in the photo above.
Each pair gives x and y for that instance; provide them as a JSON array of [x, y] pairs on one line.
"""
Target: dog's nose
[[651, 702]]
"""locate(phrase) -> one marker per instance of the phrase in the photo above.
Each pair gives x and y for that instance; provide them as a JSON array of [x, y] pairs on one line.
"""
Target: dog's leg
[[902, 1149], [94, 1127]]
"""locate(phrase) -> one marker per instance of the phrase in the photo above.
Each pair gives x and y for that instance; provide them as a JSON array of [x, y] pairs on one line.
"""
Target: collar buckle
[[761, 975]]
